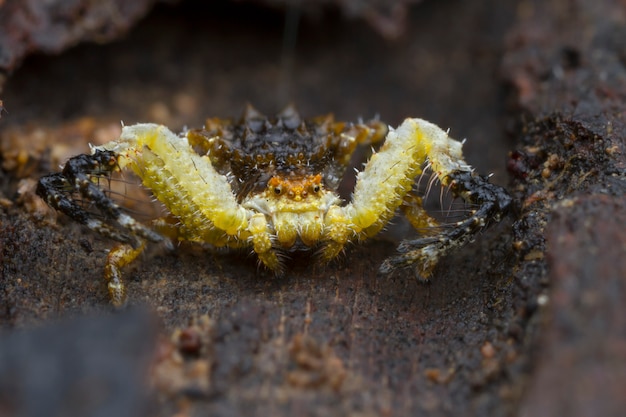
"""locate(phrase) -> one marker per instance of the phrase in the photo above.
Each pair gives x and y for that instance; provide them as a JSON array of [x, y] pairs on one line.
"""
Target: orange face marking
[[296, 189]]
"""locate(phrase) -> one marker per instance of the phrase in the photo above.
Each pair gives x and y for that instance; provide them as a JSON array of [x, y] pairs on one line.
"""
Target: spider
[[271, 185]]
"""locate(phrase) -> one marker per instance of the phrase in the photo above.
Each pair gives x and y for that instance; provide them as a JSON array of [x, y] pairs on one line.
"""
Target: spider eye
[[278, 190], [316, 188]]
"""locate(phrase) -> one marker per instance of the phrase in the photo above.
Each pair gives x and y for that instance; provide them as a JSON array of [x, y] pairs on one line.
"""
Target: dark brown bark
[[534, 306]]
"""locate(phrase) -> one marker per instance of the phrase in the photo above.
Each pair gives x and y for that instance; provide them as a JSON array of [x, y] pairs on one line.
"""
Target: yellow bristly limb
[[193, 225], [119, 257], [415, 213], [311, 228], [390, 173], [262, 242], [197, 184], [337, 233]]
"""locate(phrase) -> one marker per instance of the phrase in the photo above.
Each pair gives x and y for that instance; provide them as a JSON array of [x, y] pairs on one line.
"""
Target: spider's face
[[295, 194], [295, 207]]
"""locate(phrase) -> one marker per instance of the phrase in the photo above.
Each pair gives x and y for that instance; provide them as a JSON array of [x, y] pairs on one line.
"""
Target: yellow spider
[[271, 185]]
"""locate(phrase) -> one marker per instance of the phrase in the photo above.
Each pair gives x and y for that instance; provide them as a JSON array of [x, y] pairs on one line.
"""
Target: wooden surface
[[341, 340]]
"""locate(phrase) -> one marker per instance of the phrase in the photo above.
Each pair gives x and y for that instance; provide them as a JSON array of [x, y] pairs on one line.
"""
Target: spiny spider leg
[[493, 202], [76, 176], [416, 214]]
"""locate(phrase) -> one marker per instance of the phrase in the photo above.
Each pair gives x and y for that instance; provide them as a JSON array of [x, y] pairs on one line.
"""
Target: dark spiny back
[[256, 148]]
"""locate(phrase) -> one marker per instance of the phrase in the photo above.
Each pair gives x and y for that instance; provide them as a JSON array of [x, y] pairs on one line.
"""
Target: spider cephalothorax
[[254, 149], [271, 184]]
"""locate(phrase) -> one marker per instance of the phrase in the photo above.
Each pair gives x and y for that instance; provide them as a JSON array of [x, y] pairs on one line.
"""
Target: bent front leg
[[493, 203], [184, 181], [390, 174]]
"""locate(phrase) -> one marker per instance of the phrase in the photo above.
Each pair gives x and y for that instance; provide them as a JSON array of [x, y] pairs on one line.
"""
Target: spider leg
[[53, 190], [387, 181], [193, 191], [77, 177], [261, 239], [493, 203], [413, 209], [388, 176], [185, 182], [119, 257]]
